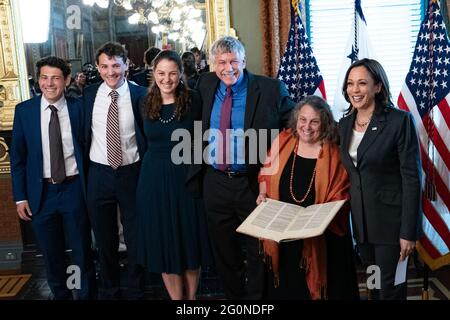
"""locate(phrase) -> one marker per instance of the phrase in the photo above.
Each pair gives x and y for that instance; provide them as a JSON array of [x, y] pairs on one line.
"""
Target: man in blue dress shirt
[[256, 105]]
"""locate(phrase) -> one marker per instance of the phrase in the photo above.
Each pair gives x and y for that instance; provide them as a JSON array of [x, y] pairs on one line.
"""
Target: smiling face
[[361, 89], [228, 67], [112, 70], [308, 125], [52, 83], [167, 77]]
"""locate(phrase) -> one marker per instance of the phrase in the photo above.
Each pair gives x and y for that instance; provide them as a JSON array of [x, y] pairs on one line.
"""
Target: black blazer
[[268, 106], [137, 93], [385, 184]]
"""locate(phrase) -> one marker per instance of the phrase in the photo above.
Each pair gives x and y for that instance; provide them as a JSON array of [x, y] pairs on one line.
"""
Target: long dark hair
[[383, 98], [328, 127], [153, 101]]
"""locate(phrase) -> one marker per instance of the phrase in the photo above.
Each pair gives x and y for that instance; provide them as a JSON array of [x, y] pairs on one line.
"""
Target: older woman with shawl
[[303, 168]]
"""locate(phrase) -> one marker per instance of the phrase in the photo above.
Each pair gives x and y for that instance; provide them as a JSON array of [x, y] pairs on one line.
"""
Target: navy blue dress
[[172, 225]]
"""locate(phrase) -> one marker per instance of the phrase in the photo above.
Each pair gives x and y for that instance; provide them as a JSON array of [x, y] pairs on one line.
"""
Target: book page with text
[[281, 221]]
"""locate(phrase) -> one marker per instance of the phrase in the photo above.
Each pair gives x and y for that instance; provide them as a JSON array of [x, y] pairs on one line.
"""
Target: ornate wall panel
[[11, 91], [218, 20]]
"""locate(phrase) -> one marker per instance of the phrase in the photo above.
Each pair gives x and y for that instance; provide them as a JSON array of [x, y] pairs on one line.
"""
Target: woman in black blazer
[[380, 151]]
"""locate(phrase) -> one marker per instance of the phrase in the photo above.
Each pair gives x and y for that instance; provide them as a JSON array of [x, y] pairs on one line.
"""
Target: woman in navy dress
[[172, 225]]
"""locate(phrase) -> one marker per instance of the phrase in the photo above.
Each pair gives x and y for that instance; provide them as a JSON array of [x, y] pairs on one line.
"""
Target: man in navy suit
[[56, 208], [115, 144]]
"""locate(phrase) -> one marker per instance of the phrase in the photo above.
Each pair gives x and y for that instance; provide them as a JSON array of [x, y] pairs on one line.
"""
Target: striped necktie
[[113, 147]]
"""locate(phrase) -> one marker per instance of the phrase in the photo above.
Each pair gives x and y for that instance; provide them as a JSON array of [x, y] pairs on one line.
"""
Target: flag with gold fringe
[[426, 94]]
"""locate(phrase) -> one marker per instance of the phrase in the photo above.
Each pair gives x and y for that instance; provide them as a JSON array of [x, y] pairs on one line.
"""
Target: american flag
[[298, 68], [426, 94]]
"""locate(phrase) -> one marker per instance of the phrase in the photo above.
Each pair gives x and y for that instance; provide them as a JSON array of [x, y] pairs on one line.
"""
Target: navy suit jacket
[[26, 148], [141, 78], [136, 93], [385, 183]]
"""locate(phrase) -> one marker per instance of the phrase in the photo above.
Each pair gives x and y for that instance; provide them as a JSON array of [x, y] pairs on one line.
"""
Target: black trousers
[[386, 257], [107, 189], [228, 201]]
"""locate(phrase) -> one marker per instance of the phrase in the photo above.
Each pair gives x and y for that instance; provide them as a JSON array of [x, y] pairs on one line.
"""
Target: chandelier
[[179, 20], [101, 3]]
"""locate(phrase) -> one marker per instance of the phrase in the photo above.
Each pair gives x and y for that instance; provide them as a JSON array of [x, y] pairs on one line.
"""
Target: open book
[[281, 221]]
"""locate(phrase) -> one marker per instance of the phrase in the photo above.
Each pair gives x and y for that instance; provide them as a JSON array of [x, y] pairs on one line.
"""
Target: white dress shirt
[[98, 152], [66, 135], [354, 144]]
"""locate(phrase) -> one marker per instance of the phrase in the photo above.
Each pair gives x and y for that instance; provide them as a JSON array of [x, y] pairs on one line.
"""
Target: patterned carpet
[[436, 290], [210, 287], [438, 283]]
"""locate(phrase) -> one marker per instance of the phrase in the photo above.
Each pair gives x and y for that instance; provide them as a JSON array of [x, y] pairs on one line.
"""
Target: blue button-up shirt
[[239, 95]]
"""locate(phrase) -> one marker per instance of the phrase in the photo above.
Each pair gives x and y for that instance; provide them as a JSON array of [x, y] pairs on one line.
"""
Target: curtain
[[445, 9], [275, 22]]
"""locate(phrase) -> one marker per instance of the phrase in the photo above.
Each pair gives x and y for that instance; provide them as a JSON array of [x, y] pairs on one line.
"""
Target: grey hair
[[328, 127], [227, 44]]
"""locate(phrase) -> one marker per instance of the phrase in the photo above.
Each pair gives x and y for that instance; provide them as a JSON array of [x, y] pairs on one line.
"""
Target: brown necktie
[[57, 165], [113, 147]]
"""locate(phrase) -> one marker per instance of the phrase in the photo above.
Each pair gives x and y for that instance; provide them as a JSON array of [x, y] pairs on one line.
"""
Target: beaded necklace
[[167, 120], [292, 177]]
